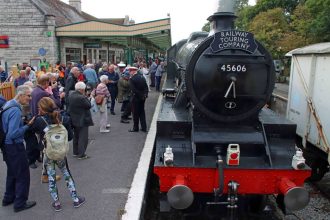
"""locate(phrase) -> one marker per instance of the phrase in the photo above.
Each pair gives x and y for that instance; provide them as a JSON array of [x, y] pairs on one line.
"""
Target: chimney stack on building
[[76, 4]]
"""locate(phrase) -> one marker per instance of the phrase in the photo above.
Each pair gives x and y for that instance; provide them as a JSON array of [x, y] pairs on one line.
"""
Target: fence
[[7, 90]]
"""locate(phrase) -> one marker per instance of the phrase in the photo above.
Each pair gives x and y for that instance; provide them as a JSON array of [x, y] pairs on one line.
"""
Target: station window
[[103, 55], [73, 54]]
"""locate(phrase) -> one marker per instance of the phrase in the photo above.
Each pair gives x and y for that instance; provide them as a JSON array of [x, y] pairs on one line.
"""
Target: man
[[31, 75], [124, 93], [91, 76], [112, 86], [152, 72], [121, 67], [158, 75], [139, 90], [68, 69], [79, 110], [21, 79], [3, 74], [18, 174], [71, 82]]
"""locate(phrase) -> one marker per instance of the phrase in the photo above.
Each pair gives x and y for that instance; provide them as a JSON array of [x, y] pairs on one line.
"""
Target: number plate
[[232, 68]]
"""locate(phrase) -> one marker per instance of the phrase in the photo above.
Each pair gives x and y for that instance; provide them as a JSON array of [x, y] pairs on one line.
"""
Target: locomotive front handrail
[[234, 55]]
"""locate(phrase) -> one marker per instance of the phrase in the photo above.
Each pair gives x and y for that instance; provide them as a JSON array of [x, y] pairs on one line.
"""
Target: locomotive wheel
[[318, 164], [280, 203], [256, 203], [319, 169]]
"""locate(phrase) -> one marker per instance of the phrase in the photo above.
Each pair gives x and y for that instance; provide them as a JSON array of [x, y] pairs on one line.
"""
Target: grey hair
[[21, 90], [103, 78], [80, 86]]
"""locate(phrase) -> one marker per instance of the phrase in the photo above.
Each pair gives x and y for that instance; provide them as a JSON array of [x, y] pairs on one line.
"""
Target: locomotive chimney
[[224, 18]]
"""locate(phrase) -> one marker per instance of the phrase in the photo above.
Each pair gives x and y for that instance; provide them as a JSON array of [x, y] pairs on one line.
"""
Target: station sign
[[92, 45], [4, 41], [233, 39]]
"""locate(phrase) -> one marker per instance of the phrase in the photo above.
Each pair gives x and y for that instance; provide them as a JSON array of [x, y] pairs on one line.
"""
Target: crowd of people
[[69, 96]]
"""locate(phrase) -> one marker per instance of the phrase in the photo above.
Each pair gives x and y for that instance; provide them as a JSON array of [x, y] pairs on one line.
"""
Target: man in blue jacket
[[18, 173]]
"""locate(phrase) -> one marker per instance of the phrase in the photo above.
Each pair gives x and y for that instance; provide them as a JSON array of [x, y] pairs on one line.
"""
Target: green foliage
[[320, 26], [283, 25], [206, 27], [269, 28]]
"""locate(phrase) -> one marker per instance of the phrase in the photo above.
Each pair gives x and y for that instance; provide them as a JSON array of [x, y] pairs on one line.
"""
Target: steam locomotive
[[217, 147]]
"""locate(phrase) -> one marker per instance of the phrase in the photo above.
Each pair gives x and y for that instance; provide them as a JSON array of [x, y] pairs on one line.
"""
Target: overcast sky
[[186, 15]]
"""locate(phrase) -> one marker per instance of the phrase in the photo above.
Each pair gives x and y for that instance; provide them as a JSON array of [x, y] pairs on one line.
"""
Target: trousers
[[18, 175], [80, 140]]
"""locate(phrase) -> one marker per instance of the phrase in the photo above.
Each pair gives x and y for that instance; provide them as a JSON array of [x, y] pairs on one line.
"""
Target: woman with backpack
[[47, 119]]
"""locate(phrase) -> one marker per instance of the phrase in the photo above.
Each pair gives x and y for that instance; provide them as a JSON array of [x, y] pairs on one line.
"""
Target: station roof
[[152, 35]]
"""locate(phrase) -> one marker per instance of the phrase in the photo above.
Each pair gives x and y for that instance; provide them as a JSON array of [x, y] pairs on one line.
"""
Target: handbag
[[99, 99]]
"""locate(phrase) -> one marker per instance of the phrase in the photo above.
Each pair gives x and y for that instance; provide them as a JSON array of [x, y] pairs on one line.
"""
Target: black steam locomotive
[[217, 147]]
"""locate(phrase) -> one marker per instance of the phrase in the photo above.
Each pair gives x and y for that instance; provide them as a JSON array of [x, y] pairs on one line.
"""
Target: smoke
[[226, 6]]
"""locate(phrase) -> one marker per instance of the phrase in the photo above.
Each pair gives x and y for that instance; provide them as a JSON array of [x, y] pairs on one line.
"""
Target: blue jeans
[[158, 79]]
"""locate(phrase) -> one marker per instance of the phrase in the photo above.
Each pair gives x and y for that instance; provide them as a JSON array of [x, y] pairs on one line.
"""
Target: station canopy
[[152, 35]]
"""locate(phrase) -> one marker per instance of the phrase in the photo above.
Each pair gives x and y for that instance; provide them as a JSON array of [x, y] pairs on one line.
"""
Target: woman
[[48, 115], [144, 70], [102, 90]]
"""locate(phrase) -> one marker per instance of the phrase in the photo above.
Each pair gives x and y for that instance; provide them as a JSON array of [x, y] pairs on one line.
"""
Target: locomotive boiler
[[217, 148]]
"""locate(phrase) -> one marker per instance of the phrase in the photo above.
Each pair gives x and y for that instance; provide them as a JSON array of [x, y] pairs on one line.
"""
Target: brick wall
[[27, 29]]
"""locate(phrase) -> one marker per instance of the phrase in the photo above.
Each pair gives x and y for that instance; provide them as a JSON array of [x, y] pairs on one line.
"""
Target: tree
[[320, 26], [270, 28], [206, 27]]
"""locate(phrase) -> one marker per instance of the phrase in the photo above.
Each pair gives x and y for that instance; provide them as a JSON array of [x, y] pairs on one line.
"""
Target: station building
[[34, 30]]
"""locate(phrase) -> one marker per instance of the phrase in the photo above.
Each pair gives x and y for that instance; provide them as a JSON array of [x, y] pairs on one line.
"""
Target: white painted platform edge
[[135, 198]]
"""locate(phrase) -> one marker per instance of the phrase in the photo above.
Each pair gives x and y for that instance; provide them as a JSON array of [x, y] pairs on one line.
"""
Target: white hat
[[132, 68], [121, 64]]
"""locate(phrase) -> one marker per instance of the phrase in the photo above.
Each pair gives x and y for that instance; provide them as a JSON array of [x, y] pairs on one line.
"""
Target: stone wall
[[27, 29]]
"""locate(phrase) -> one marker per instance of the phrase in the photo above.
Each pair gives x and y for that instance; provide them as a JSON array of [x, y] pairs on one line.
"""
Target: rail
[[280, 97]]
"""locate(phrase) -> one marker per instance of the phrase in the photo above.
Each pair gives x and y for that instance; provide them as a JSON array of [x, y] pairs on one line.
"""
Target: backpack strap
[[44, 120]]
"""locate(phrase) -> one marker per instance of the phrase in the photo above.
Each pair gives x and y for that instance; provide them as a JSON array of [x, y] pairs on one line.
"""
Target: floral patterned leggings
[[52, 188]]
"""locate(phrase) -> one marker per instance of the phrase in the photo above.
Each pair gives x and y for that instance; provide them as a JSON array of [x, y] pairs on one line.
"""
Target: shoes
[[75, 155], [104, 131], [57, 206], [44, 178], [5, 203], [124, 121], [113, 113], [81, 200], [108, 126], [27, 205], [33, 166], [83, 157], [133, 130]]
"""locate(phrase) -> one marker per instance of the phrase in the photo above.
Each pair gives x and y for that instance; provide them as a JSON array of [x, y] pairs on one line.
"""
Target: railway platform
[[104, 179]]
